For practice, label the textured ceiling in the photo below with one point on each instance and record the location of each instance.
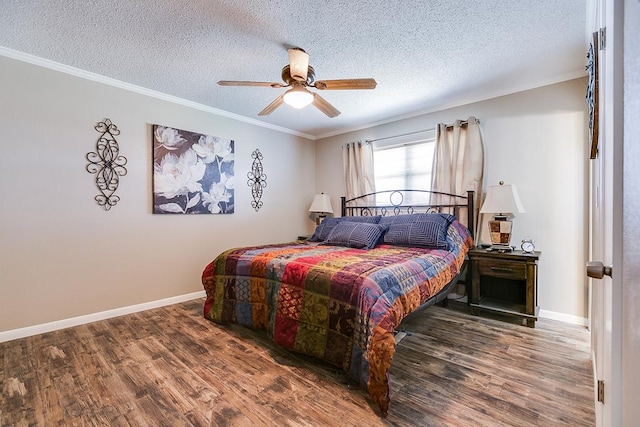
(425, 55)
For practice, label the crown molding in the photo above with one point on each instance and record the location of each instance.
(77, 72)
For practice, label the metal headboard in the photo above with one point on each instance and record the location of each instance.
(392, 202)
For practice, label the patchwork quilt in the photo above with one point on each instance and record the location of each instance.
(336, 303)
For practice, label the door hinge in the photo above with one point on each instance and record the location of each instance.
(603, 38)
(600, 391)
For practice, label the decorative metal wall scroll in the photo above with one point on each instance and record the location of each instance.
(107, 163)
(257, 180)
(592, 95)
(192, 172)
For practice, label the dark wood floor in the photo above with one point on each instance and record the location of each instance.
(171, 367)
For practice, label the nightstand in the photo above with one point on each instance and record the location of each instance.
(304, 237)
(505, 283)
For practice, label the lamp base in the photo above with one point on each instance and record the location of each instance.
(500, 231)
(500, 248)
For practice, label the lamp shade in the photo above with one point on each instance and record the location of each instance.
(321, 204)
(298, 97)
(502, 199)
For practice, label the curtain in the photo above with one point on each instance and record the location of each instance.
(357, 160)
(458, 163)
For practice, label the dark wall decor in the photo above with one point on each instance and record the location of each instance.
(257, 179)
(192, 172)
(592, 95)
(107, 163)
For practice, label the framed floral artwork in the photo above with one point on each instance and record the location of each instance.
(192, 172)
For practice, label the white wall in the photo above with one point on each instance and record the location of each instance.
(62, 256)
(537, 140)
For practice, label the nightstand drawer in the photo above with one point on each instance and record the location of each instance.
(503, 269)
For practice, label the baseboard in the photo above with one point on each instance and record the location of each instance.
(94, 317)
(562, 317)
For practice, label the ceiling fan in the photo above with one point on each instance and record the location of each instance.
(299, 75)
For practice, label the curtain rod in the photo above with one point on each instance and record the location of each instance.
(462, 123)
(401, 135)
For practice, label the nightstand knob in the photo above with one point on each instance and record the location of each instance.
(597, 270)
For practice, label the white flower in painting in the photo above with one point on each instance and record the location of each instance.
(218, 193)
(210, 147)
(228, 181)
(169, 138)
(177, 176)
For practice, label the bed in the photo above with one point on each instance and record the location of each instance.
(341, 295)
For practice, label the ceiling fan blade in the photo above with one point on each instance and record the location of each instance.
(298, 64)
(322, 105)
(271, 107)
(245, 83)
(345, 84)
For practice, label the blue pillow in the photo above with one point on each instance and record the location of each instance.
(399, 219)
(324, 228)
(427, 230)
(358, 235)
(369, 219)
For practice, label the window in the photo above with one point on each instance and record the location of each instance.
(404, 166)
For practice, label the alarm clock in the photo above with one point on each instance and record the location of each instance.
(527, 245)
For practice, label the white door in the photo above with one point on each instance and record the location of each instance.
(600, 284)
(597, 286)
(630, 297)
(606, 222)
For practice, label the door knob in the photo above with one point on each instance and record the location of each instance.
(597, 270)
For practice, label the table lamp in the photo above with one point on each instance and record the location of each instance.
(321, 205)
(502, 201)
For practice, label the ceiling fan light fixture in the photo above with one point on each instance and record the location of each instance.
(299, 75)
(298, 97)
